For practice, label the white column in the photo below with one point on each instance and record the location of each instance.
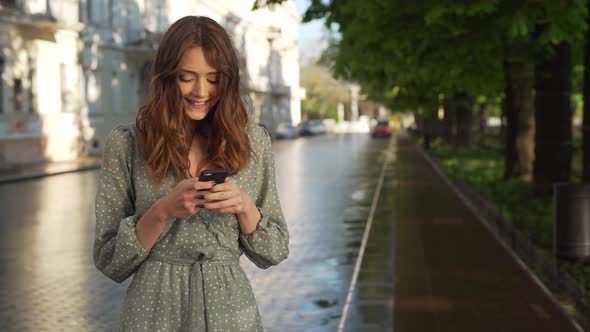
(354, 102)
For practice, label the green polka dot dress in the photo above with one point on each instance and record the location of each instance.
(191, 279)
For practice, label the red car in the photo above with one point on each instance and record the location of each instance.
(382, 129)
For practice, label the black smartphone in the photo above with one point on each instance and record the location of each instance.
(216, 174)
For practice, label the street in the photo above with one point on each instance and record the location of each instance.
(49, 283)
(427, 263)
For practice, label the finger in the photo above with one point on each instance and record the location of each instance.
(199, 202)
(223, 204)
(191, 208)
(228, 185)
(220, 196)
(219, 187)
(203, 185)
(193, 197)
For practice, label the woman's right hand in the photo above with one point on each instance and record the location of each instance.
(184, 199)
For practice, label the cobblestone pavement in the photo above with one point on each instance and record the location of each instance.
(48, 281)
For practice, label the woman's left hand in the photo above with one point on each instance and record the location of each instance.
(227, 197)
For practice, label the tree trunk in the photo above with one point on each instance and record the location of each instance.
(520, 120)
(427, 134)
(503, 118)
(464, 112)
(482, 120)
(586, 123)
(553, 118)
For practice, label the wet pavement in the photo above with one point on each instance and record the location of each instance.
(428, 265)
(48, 281)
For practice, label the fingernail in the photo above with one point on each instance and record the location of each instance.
(214, 183)
(200, 196)
(200, 206)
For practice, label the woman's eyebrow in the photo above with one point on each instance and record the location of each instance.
(195, 73)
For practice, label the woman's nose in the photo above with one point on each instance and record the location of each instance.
(200, 88)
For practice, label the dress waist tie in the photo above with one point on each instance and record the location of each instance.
(196, 318)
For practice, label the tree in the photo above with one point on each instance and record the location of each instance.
(400, 53)
(559, 25)
(456, 48)
(323, 92)
(405, 52)
(586, 123)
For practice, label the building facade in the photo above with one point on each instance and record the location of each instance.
(73, 69)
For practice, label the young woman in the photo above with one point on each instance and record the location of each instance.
(180, 237)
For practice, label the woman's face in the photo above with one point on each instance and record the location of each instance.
(197, 81)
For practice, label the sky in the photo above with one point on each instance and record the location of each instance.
(311, 44)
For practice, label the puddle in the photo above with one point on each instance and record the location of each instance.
(325, 303)
(319, 304)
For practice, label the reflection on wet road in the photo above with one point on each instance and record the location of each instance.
(48, 281)
(326, 184)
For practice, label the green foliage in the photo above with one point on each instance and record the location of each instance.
(265, 3)
(404, 54)
(323, 92)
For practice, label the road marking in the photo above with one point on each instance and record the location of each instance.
(361, 253)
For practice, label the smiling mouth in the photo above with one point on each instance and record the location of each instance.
(197, 104)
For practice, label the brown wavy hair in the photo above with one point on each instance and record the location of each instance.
(166, 132)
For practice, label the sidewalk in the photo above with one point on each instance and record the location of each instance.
(26, 172)
(430, 265)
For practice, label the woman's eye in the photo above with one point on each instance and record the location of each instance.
(184, 79)
(212, 81)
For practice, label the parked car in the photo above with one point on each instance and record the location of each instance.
(285, 131)
(381, 130)
(311, 128)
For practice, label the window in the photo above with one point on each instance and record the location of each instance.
(98, 11)
(89, 11)
(63, 86)
(8, 3)
(19, 96)
(31, 95)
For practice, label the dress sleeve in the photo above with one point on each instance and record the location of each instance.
(117, 252)
(268, 245)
